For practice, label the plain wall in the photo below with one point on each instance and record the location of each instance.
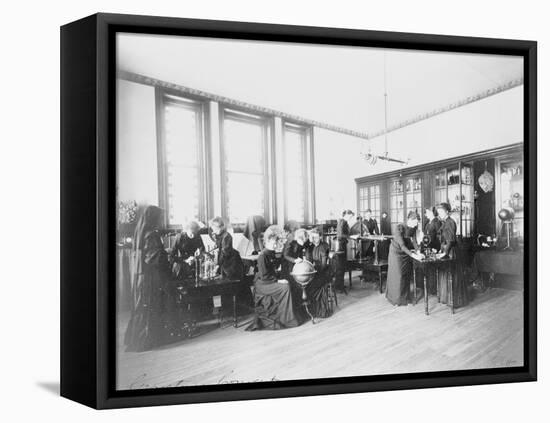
(137, 177)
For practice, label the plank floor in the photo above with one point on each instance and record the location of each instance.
(365, 336)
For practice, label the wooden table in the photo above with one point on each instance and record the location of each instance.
(379, 267)
(191, 292)
(424, 265)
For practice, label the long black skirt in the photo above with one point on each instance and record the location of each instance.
(317, 294)
(460, 289)
(400, 270)
(274, 306)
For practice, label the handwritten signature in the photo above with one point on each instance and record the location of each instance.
(139, 383)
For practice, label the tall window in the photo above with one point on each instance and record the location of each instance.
(181, 155)
(296, 172)
(245, 170)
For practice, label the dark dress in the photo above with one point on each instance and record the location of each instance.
(367, 247)
(273, 301)
(232, 267)
(431, 229)
(184, 247)
(291, 252)
(151, 322)
(384, 246)
(447, 236)
(317, 289)
(340, 256)
(229, 259)
(400, 266)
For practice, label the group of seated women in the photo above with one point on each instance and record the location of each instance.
(154, 314)
(278, 299)
(439, 235)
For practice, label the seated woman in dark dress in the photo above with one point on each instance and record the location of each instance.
(295, 251)
(447, 236)
(273, 297)
(187, 246)
(153, 301)
(229, 260)
(400, 265)
(318, 255)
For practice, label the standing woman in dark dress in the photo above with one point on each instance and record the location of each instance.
(273, 297)
(150, 321)
(431, 231)
(447, 236)
(340, 255)
(400, 266)
(229, 259)
(188, 244)
(318, 255)
(431, 228)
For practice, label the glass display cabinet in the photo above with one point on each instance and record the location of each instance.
(455, 185)
(510, 192)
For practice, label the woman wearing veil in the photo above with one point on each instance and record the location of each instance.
(152, 301)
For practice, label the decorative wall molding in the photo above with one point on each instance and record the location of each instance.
(463, 102)
(142, 79)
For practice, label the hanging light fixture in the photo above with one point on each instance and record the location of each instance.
(369, 156)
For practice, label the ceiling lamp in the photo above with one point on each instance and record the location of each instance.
(372, 158)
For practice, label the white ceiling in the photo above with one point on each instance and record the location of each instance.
(342, 86)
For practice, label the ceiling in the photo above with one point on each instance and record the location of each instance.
(343, 86)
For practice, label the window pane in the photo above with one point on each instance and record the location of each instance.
(295, 178)
(244, 168)
(243, 146)
(244, 196)
(182, 162)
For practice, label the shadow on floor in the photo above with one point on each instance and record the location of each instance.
(51, 387)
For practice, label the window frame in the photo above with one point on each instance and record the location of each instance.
(163, 97)
(235, 113)
(305, 133)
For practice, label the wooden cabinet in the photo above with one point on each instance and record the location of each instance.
(451, 180)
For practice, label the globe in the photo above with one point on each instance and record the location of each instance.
(506, 214)
(303, 272)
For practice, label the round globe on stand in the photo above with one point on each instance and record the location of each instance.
(507, 216)
(303, 273)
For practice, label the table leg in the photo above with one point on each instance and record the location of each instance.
(234, 310)
(414, 285)
(376, 252)
(451, 299)
(437, 284)
(380, 278)
(349, 277)
(426, 294)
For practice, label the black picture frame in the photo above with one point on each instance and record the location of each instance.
(88, 213)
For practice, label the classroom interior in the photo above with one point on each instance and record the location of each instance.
(293, 135)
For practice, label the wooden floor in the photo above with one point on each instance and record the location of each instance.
(366, 336)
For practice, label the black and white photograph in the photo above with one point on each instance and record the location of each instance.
(291, 211)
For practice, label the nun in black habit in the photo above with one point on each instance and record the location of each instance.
(153, 298)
